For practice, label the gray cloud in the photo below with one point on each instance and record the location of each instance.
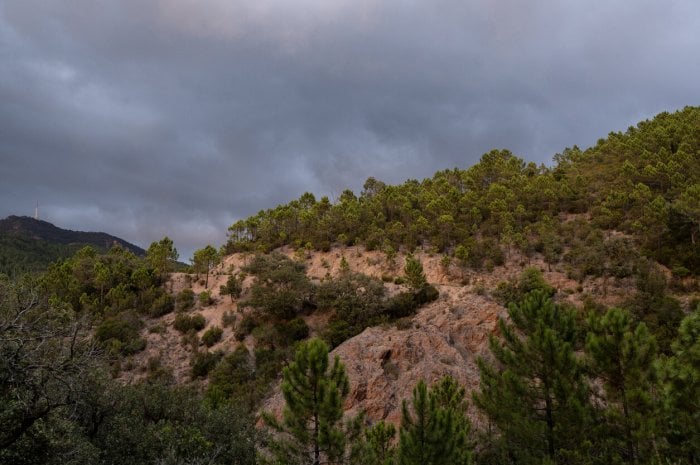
(151, 117)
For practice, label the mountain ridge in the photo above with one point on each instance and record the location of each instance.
(30, 245)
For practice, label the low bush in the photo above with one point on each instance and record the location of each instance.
(205, 298)
(184, 322)
(204, 362)
(185, 299)
(212, 335)
(162, 306)
(120, 334)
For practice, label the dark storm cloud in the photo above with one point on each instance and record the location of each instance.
(153, 117)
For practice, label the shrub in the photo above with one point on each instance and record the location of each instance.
(233, 287)
(245, 327)
(212, 335)
(185, 299)
(204, 362)
(228, 319)
(680, 271)
(162, 306)
(293, 330)
(426, 294)
(157, 329)
(415, 276)
(337, 332)
(120, 334)
(205, 298)
(232, 377)
(401, 305)
(184, 322)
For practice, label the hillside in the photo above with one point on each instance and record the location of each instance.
(384, 362)
(531, 305)
(644, 182)
(30, 245)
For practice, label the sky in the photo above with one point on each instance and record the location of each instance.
(147, 118)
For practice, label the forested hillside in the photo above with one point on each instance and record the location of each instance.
(644, 182)
(505, 313)
(30, 245)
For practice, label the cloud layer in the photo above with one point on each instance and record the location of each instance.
(151, 117)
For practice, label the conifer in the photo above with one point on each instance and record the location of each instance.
(620, 356)
(310, 432)
(534, 394)
(434, 431)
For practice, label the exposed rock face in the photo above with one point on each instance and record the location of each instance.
(384, 364)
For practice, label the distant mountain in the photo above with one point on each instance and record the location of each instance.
(29, 245)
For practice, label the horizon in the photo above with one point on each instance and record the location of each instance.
(145, 119)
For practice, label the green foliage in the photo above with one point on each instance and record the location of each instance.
(353, 297)
(291, 331)
(30, 246)
(415, 277)
(379, 439)
(620, 354)
(680, 376)
(184, 322)
(162, 256)
(652, 305)
(313, 392)
(19, 255)
(120, 334)
(531, 279)
(185, 299)
(44, 351)
(245, 327)
(643, 182)
(156, 422)
(434, 430)
(281, 289)
(162, 306)
(203, 362)
(205, 298)
(534, 394)
(212, 335)
(228, 319)
(233, 287)
(204, 260)
(242, 378)
(57, 407)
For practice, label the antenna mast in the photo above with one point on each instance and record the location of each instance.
(36, 211)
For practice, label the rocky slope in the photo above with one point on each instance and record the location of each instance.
(383, 363)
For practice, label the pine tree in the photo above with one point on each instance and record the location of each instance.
(620, 355)
(534, 394)
(162, 256)
(309, 432)
(414, 273)
(434, 431)
(680, 374)
(204, 260)
(374, 446)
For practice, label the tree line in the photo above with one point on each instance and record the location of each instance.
(644, 182)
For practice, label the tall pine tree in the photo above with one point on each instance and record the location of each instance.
(533, 392)
(681, 380)
(620, 357)
(310, 432)
(434, 431)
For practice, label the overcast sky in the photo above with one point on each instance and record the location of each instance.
(146, 118)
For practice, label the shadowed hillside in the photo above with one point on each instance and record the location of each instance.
(30, 245)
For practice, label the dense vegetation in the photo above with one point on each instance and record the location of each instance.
(644, 182)
(28, 245)
(562, 385)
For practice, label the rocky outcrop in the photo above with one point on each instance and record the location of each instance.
(385, 363)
